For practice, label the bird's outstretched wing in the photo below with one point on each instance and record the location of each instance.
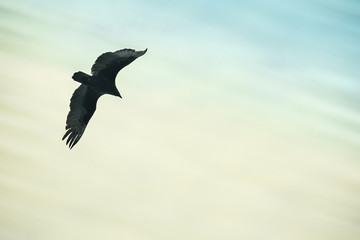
(108, 64)
(82, 107)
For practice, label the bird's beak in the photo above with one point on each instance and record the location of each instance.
(117, 93)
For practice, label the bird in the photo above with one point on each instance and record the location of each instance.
(100, 82)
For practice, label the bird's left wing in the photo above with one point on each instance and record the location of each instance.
(82, 107)
(108, 64)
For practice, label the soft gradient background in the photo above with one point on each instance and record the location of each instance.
(242, 121)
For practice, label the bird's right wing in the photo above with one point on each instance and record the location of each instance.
(110, 63)
(82, 107)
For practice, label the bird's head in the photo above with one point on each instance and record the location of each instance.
(114, 91)
(117, 93)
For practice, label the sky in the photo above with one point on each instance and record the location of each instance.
(241, 121)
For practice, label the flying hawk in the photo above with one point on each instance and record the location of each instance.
(102, 81)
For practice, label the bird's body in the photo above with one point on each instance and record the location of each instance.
(102, 81)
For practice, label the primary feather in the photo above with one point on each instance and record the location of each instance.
(84, 99)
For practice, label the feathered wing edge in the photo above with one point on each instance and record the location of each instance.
(82, 107)
(106, 59)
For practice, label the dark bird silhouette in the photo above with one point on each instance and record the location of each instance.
(102, 81)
